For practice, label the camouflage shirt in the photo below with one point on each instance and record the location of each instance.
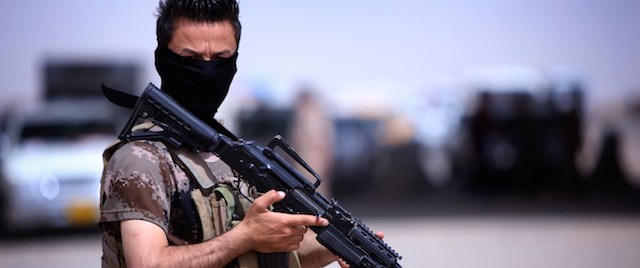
(142, 181)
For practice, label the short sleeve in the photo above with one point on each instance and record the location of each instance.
(136, 184)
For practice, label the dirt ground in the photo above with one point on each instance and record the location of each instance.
(454, 241)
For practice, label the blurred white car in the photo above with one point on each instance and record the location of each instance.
(52, 167)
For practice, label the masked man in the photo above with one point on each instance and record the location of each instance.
(155, 211)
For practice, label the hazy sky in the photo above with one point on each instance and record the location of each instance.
(343, 45)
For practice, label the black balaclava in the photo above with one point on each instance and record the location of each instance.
(200, 86)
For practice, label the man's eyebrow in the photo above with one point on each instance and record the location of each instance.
(188, 51)
(224, 52)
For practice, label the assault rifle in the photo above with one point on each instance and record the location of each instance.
(263, 168)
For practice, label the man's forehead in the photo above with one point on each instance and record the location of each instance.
(203, 39)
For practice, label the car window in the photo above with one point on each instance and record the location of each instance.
(64, 131)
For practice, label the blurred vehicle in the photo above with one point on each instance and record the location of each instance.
(523, 131)
(53, 164)
(520, 142)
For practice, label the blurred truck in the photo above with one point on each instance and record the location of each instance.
(52, 165)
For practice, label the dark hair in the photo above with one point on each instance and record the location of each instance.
(195, 10)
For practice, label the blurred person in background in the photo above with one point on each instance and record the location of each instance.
(154, 210)
(312, 134)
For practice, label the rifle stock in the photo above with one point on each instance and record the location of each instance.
(263, 168)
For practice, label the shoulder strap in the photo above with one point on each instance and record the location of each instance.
(196, 166)
(114, 146)
(110, 150)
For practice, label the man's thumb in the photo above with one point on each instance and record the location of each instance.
(267, 199)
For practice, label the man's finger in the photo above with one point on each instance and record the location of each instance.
(380, 235)
(299, 229)
(263, 202)
(309, 220)
(343, 264)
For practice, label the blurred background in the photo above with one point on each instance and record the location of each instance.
(486, 134)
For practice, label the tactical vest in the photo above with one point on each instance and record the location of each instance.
(217, 203)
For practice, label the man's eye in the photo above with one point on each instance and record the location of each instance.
(193, 57)
(189, 55)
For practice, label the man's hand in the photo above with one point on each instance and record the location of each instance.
(271, 231)
(314, 254)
